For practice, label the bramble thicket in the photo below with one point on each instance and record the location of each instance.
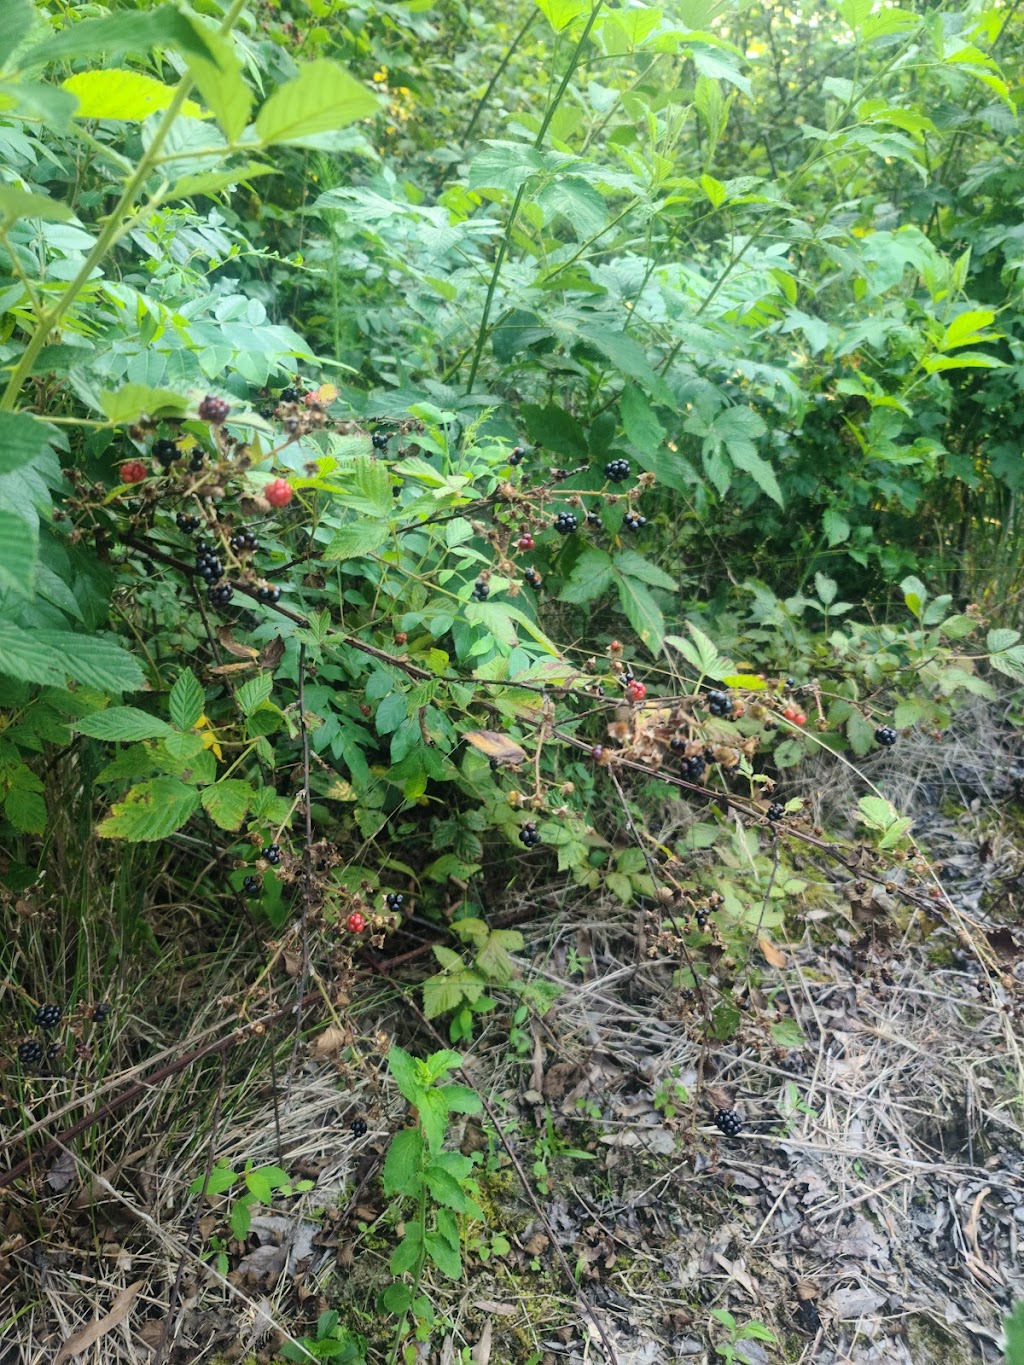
(460, 466)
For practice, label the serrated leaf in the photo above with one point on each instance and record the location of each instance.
(643, 612)
(227, 801)
(445, 1257)
(555, 429)
(634, 565)
(186, 702)
(590, 577)
(746, 458)
(441, 994)
(124, 723)
(151, 811)
(253, 693)
(787, 1033)
(639, 420)
(861, 734)
(700, 652)
(406, 1074)
(356, 539)
(94, 660)
(23, 438)
(26, 811)
(25, 657)
(835, 526)
(876, 812)
(164, 26)
(323, 97)
(222, 86)
(444, 1189)
(1000, 639)
(19, 548)
(1010, 662)
(122, 95)
(212, 182)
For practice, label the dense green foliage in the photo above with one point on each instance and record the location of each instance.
(390, 288)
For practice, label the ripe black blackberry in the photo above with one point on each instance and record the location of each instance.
(101, 1012)
(244, 542)
(676, 744)
(29, 1053)
(53, 1051)
(532, 578)
(517, 456)
(166, 451)
(692, 769)
(379, 440)
(617, 471)
(253, 886)
(394, 900)
(719, 703)
(290, 395)
(481, 591)
(702, 916)
(197, 461)
(727, 1121)
(633, 521)
(49, 1016)
(886, 736)
(529, 835)
(776, 811)
(266, 592)
(358, 1128)
(187, 523)
(220, 594)
(208, 566)
(566, 523)
(593, 519)
(272, 853)
(213, 410)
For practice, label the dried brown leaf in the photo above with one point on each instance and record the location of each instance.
(95, 1331)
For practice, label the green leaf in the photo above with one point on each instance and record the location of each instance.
(405, 1071)
(445, 1257)
(222, 86)
(136, 32)
(151, 811)
(407, 1253)
(95, 660)
(212, 182)
(835, 526)
(460, 1099)
(591, 576)
(561, 13)
(1015, 1336)
(876, 812)
(639, 420)
(634, 565)
(19, 548)
(15, 204)
(1010, 662)
(787, 1033)
(1000, 639)
(554, 429)
(26, 811)
(357, 539)
(254, 693)
(24, 657)
(643, 612)
(433, 1118)
(323, 97)
(125, 723)
(746, 458)
(240, 1217)
(116, 93)
(403, 1163)
(186, 701)
(227, 801)
(576, 200)
(701, 653)
(23, 438)
(133, 401)
(17, 18)
(444, 1189)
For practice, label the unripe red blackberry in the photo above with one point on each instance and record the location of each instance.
(214, 410)
(132, 471)
(278, 492)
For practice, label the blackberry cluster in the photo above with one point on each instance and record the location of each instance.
(187, 523)
(727, 1121)
(292, 394)
(208, 566)
(693, 769)
(566, 523)
(677, 744)
(517, 456)
(166, 451)
(213, 410)
(529, 835)
(267, 592)
(394, 900)
(358, 1128)
(253, 886)
(633, 521)
(244, 542)
(272, 853)
(886, 736)
(532, 578)
(719, 703)
(776, 811)
(616, 471)
(197, 461)
(30, 1053)
(101, 1012)
(48, 1016)
(379, 440)
(702, 916)
(481, 591)
(220, 594)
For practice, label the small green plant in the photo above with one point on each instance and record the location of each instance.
(262, 1183)
(671, 1096)
(549, 1146)
(332, 1342)
(439, 1185)
(730, 1349)
(1014, 1327)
